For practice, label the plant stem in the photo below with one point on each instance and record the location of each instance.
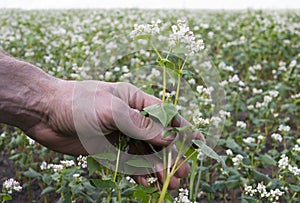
(177, 89)
(119, 195)
(180, 68)
(199, 179)
(164, 84)
(165, 188)
(117, 164)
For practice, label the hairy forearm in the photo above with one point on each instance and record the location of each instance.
(25, 92)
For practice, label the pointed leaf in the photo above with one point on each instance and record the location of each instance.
(163, 112)
(209, 152)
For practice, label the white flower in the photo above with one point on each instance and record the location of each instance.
(57, 167)
(296, 148)
(130, 180)
(267, 99)
(234, 79)
(151, 180)
(43, 166)
(284, 128)
(241, 124)
(191, 81)
(283, 162)
(215, 120)
(298, 140)
(293, 63)
(260, 137)
(249, 190)
(148, 29)
(76, 175)
(224, 114)
(31, 141)
(276, 137)
(296, 96)
(250, 107)
(181, 34)
(200, 121)
(223, 83)
(261, 188)
(237, 160)
(249, 140)
(294, 169)
(82, 161)
(2, 134)
(229, 152)
(273, 93)
(11, 185)
(182, 196)
(67, 163)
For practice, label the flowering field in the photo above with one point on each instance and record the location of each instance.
(254, 56)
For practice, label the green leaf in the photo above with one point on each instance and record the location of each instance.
(258, 176)
(31, 173)
(7, 198)
(47, 190)
(163, 112)
(166, 63)
(209, 152)
(207, 188)
(104, 184)
(106, 156)
(267, 159)
(232, 184)
(93, 165)
(142, 196)
(142, 37)
(296, 188)
(140, 163)
(249, 200)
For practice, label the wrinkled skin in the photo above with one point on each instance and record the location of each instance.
(41, 106)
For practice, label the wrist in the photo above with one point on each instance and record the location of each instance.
(25, 93)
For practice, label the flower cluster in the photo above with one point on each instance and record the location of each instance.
(182, 196)
(57, 167)
(237, 160)
(241, 124)
(148, 29)
(276, 137)
(283, 163)
(82, 162)
(260, 190)
(11, 185)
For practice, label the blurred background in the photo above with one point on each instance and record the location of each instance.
(152, 4)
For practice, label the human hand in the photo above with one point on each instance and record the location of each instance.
(44, 108)
(80, 107)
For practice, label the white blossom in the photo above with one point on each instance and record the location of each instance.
(81, 161)
(249, 140)
(294, 170)
(249, 190)
(241, 124)
(67, 163)
(151, 180)
(283, 162)
(11, 185)
(229, 152)
(284, 128)
(296, 148)
(237, 160)
(276, 137)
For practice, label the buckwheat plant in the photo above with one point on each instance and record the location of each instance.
(9, 186)
(180, 41)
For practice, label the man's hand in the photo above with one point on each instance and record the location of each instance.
(43, 107)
